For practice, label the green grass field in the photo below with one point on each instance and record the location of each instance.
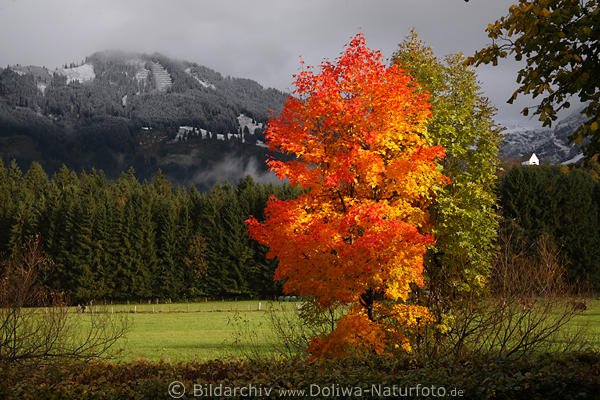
(197, 331)
(202, 331)
(188, 336)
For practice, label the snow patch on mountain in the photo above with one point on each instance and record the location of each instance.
(82, 73)
(18, 71)
(246, 122)
(41, 87)
(142, 75)
(574, 160)
(200, 81)
(186, 132)
(162, 79)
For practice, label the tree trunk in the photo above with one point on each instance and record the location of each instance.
(367, 300)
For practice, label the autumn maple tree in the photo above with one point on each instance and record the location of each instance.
(358, 233)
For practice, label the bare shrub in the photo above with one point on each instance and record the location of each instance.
(36, 323)
(295, 328)
(579, 305)
(527, 309)
(290, 327)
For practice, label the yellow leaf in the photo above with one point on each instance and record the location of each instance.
(546, 13)
(594, 126)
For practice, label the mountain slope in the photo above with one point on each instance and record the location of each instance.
(115, 109)
(550, 144)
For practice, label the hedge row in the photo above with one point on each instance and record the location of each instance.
(574, 376)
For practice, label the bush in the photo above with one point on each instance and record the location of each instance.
(573, 376)
(36, 325)
(526, 310)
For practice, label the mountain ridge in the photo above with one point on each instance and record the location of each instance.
(92, 114)
(550, 144)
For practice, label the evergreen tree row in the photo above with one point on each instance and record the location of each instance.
(126, 240)
(562, 203)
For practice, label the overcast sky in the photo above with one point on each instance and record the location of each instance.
(258, 39)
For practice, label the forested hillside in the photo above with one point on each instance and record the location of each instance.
(562, 203)
(131, 240)
(100, 112)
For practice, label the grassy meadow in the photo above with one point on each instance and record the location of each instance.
(190, 336)
(215, 330)
(209, 343)
(196, 331)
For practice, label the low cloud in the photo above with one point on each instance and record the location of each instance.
(233, 169)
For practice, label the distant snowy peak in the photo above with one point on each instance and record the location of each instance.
(551, 144)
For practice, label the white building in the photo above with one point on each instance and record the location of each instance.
(533, 160)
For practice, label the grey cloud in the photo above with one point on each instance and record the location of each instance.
(232, 170)
(258, 39)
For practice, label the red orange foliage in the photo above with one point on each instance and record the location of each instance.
(358, 233)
